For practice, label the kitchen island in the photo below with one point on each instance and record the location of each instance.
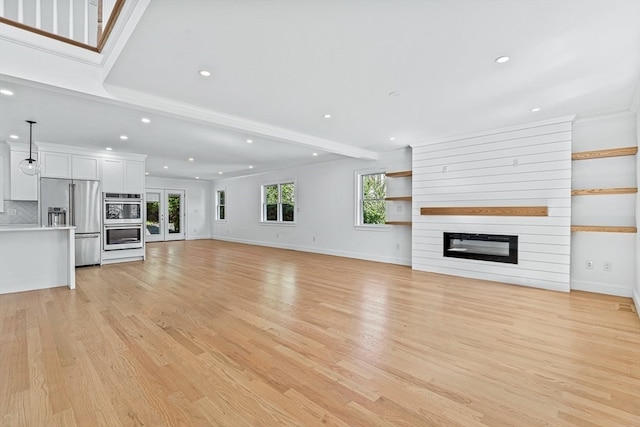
(34, 257)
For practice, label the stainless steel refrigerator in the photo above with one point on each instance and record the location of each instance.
(82, 202)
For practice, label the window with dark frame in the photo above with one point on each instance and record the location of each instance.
(278, 202)
(221, 211)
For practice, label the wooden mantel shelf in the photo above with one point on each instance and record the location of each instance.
(488, 211)
(602, 191)
(600, 154)
(604, 229)
(398, 198)
(398, 223)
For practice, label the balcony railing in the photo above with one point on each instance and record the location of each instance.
(84, 23)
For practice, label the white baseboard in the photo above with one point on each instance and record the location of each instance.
(199, 236)
(345, 254)
(601, 288)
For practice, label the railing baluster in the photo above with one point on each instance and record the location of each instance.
(55, 17)
(86, 22)
(1, 7)
(38, 15)
(71, 19)
(20, 11)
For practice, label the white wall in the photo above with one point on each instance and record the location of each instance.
(325, 204)
(636, 293)
(198, 203)
(619, 249)
(528, 165)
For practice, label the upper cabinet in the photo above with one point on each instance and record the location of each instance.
(69, 166)
(55, 165)
(118, 173)
(23, 187)
(122, 176)
(85, 167)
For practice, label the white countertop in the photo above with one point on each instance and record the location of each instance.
(30, 227)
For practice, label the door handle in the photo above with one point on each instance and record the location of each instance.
(85, 236)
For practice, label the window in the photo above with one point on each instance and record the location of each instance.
(220, 211)
(372, 190)
(278, 202)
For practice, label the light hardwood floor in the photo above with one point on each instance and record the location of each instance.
(208, 333)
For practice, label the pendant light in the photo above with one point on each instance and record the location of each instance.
(30, 166)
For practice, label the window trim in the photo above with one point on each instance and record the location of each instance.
(359, 211)
(217, 212)
(279, 183)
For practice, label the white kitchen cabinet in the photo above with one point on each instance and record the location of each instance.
(133, 177)
(55, 165)
(23, 187)
(122, 176)
(112, 175)
(69, 166)
(85, 167)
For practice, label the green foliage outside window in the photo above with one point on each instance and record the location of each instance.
(279, 202)
(374, 191)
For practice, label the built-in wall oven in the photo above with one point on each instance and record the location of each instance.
(122, 236)
(122, 221)
(122, 208)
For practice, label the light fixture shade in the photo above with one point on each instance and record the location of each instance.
(29, 167)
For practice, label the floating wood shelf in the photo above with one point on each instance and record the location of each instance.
(400, 174)
(600, 191)
(398, 222)
(399, 198)
(600, 154)
(488, 211)
(604, 229)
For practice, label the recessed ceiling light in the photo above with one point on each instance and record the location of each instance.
(502, 59)
(315, 154)
(392, 139)
(535, 109)
(6, 92)
(327, 116)
(249, 141)
(145, 120)
(124, 137)
(191, 159)
(205, 73)
(108, 148)
(197, 177)
(166, 167)
(220, 173)
(146, 173)
(14, 137)
(250, 166)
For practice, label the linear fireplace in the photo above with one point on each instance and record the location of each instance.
(485, 247)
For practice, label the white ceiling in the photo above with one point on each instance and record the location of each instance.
(279, 66)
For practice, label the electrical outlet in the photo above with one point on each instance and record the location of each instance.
(606, 266)
(589, 265)
(11, 212)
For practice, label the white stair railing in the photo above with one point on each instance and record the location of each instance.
(78, 20)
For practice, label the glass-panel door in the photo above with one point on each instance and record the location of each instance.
(154, 231)
(164, 215)
(175, 215)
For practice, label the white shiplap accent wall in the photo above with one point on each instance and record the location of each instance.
(528, 165)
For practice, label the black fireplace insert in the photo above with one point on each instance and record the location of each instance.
(484, 247)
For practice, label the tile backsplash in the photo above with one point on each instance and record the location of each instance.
(25, 212)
